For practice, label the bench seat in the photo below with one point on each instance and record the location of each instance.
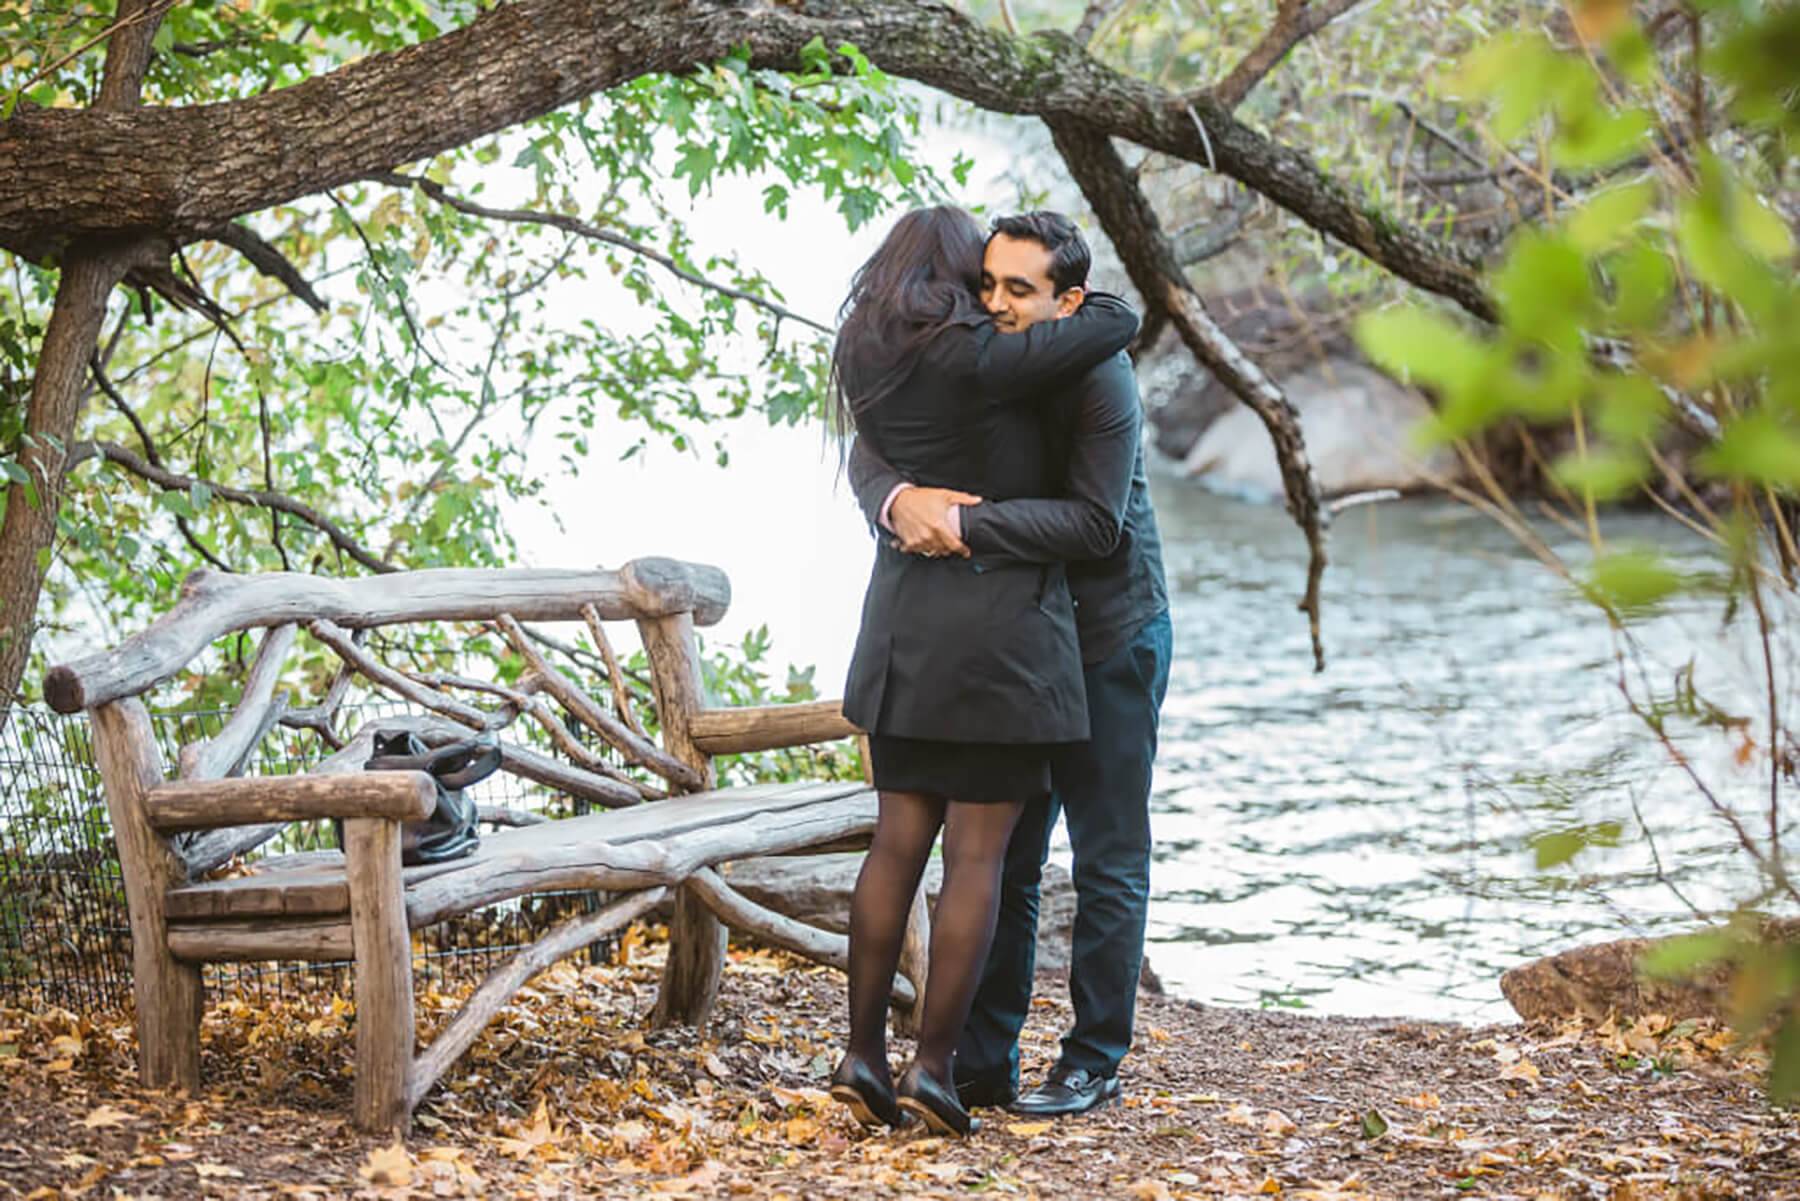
(611, 850)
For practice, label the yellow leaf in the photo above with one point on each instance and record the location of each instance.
(388, 1165)
(1240, 1115)
(1270, 1186)
(1278, 1123)
(1149, 1190)
(106, 1115)
(1028, 1129)
(1422, 1101)
(1522, 1070)
(66, 1046)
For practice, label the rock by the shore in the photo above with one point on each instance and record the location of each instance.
(1607, 980)
(1359, 427)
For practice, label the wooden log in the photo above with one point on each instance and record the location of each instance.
(568, 937)
(636, 749)
(690, 981)
(167, 991)
(257, 711)
(377, 672)
(214, 604)
(915, 961)
(765, 727)
(205, 804)
(810, 942)
(262, 939)
(620, 850)
(384, 1000)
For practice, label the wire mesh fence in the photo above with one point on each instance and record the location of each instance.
(65, 938)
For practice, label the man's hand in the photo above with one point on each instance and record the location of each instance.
(921, 519)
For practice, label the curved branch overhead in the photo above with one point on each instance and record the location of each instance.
(68, 175)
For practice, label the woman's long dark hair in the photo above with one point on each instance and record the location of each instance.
(924, 278)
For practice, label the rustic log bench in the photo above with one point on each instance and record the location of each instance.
(648, 843)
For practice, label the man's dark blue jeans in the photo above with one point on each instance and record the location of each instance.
(1102, 786)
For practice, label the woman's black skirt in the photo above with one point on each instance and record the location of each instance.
(980, 773)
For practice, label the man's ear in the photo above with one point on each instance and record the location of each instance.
(1069, 301)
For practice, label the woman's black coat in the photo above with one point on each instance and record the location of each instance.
(972, 650)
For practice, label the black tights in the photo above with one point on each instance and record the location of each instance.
(962, 926)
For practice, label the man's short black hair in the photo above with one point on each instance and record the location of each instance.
(1070, 258)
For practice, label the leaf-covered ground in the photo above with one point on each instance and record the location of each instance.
(570, 1094)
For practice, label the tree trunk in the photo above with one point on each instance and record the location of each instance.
(88, 275)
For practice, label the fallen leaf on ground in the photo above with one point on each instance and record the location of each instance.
(389, 1165)
(1028, 1129)
(106, 1115)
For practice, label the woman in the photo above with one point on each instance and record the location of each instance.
(966, 671)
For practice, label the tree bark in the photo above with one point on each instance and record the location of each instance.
(67, 175)
(1137, 234)
(89, 271)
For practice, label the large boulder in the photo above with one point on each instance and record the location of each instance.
(1359, 427)
(816, 890)
(1606, 979)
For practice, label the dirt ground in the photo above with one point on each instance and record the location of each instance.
(569, 1094)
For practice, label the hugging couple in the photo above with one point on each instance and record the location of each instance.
(1013, 653)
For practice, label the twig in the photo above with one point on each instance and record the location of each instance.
(1295, 21)
(575, 225)
(379, 673)
(621, 692)
(169, 481)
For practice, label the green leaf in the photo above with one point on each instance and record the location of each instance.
(1544, 288)
(1784, 1060)
(1630, 583)
(1642, 279)
(1630, 408)
(1597, 137)
(1417, 343)
(1373, 1124)
(1680, 957)
(1606, 473)
(1609, 217)
(1557, 847)
(1756, 447)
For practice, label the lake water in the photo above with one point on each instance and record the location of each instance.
(1357, 841)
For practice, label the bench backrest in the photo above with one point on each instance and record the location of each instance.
(666, 599)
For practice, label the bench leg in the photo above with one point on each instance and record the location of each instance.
(690, 982)
(384, 998)
(915, 958)
(167, 991)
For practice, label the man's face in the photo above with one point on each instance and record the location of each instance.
(1016, 287)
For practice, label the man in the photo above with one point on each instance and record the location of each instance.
(1035, 269)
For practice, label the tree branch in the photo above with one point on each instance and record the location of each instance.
(1136, 232)
(1295, 21)
(267, 260)
(66, 175)
(268, 499)
(584, 229)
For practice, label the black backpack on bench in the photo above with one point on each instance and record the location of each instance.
(450, 832)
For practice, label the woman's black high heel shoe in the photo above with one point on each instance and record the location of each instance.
(871, 1100)
(935, 1105)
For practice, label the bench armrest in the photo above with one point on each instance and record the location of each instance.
(250, 800)
(765, 727)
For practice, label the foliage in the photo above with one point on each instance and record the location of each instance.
(1657, 316)
(461, 358)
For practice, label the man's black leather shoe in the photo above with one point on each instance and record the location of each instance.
(1067, 1091)
(986, 1092)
